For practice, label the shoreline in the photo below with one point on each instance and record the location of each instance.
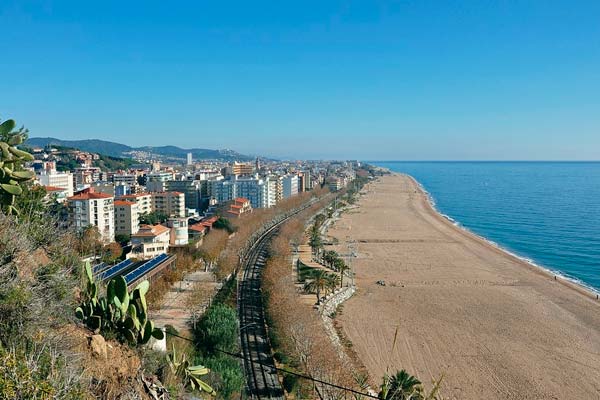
(495, 325)
(572, 283)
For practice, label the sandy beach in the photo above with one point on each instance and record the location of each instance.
(493, 325)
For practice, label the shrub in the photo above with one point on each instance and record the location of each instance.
(226, 375)
(218, 329)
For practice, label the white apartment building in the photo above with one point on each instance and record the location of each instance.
(150, 241)
(252, 188)
(143, 201)
(63, 180)
(157, 181)
(172, 204)
(126, 218)
(289, 185)
(125, 179)
(272, 184)
(90, 208)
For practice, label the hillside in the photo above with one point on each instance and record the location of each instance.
(122, 150)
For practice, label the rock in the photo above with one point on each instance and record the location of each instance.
(98, 346)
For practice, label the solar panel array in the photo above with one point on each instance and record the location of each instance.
(96, 269)
(114, 270)
(145, 268)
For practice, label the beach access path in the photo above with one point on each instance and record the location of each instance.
(493, 325)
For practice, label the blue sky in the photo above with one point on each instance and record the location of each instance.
(311, 79)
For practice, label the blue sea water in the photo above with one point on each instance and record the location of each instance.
(546, 212)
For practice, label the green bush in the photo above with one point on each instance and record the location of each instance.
(226, 375)
(290, 383)
(14, 312)
(218, 329)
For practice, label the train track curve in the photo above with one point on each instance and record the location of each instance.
(262, 379)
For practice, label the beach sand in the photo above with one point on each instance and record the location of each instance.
(493, 325)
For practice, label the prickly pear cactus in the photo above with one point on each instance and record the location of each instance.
(12, 175)
(120, 312)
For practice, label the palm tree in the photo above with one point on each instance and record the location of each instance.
(332, 282)
(402, 386)
(317, 283)
(329, 257)
(342, 268)
(315, 241)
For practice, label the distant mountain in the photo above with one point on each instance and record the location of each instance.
(122, 150)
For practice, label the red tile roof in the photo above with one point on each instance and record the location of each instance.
(197, 227)
(54, 189)
(151, 230)
(89, 194)
(124, 203)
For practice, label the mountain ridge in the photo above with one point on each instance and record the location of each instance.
(122, 150)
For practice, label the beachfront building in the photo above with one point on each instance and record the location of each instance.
(304, 182)
(289, 185)
(272, 185)
(88, 208)
(126, 218)
(150, 241)
(171, 204)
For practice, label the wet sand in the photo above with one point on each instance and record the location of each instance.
(493, 325)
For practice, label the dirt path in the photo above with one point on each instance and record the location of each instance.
(497, 327)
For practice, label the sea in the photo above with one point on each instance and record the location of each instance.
(547, 213)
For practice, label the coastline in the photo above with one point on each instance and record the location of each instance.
(495, 325)
(573, 283)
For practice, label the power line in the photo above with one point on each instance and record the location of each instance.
(310, 378)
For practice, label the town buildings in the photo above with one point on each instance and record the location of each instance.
(88, 208)
(52, 178)
(126, 218)
(171, 204)
(150, 241)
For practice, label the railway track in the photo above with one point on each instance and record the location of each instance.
(262, 380)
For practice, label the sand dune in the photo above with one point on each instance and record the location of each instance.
(496, 327)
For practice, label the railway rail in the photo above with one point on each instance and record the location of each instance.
(261, 375)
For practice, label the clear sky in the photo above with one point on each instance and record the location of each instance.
(479, 79)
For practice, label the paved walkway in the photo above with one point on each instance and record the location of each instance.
(179, 303)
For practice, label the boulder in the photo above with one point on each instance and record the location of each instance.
(98, 346)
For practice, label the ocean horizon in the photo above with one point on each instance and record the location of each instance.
(545, 212)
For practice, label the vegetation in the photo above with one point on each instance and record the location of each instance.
(120, 313)
(403, 386)
(38, 276)
(321, 281)
(224, 223)
(153, 218)
(12, 175)
(68, 160)
(296, 332)
(218, 331)
(189, 374)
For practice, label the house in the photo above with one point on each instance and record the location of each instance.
(58, 193)
(150, 241)
(238, 207)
